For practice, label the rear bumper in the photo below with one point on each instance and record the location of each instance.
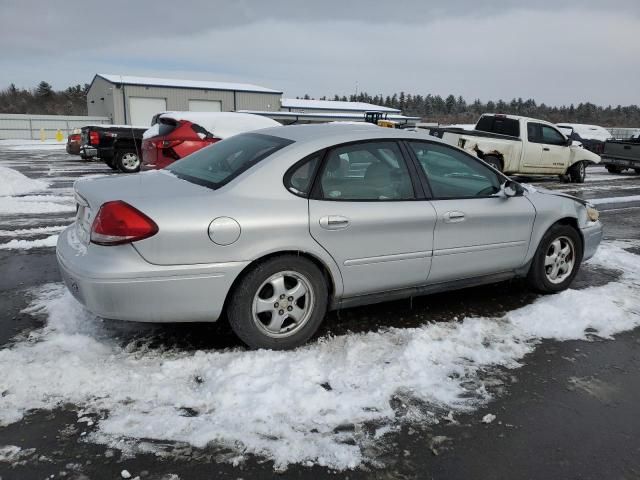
(117, 283)
(592, 236)
(621, 162)
(87, 151)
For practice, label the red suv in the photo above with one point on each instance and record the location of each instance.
(178, 134)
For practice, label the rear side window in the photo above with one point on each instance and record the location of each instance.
(499, 125)
(299, 179)
(166, 126)
(218, 164)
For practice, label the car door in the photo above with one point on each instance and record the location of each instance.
(367, 211)
(555, 152)
(532, 149)
(479, 231)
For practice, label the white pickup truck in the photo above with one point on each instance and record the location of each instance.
(521, 145)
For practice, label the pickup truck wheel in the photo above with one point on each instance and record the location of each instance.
(128, 161)
(613, 169)
(637, 170)
(110, 162)
(494, 161)
(279, 304)
(578, 172)
(557, 260)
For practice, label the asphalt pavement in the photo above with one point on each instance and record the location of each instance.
(570, 412)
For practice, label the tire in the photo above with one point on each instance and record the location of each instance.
(550, 271)
(578, 172)
(613, 169)
(564, 178)
(494, 161)
(111, 164)
(637, 170)
(128, 161)
(250, 314)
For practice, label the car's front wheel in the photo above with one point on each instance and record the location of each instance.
(279, 304)
(128, 161)
(578, 172)
(557, 259)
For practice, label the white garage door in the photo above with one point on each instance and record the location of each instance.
(205, 105)
(143, 109)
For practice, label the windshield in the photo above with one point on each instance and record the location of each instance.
(218, 164)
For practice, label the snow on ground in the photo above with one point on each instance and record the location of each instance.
(16, 244)
(13, 182)
(29, 232)
(326, 403)
(32, 145)
(33, 204)
(627, 199)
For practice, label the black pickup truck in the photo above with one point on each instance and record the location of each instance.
(119, 146)
(619, 155)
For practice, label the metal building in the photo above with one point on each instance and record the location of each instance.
(134, 100)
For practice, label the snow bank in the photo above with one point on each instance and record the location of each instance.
(627, 199)
(15, 244)
(27, 232)
(13, 182)
(326, 403)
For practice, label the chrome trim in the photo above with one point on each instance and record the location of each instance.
(477, 248)
(386, 258)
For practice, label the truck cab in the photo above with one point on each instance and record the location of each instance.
(522, 145)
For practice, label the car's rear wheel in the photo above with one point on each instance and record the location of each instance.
(578, 172)
(279, 304)
(637, 170)
(128, 161)
(613, 169)
(494, 161)
(557, 259)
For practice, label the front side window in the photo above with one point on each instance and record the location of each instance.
(218, 164)
(454, 174)
(370, 171)
(551, 136)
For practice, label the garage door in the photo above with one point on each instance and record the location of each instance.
(143, 109)
(205, 105)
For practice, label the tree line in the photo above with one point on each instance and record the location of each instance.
(44, 100)
(430, 108)
(453, 110)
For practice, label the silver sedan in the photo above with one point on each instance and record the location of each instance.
(277, 226)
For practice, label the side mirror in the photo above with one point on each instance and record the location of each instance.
(512, 189)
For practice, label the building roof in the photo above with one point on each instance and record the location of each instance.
(326, 116)
(177, 83)
(303, 104)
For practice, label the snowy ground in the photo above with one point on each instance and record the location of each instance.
(341, 402)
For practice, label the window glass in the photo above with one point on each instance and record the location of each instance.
(300, 178)
(551, 136)
(534, 132)
(373, 171)
(499, 124)
(453, 174)
(216, 165)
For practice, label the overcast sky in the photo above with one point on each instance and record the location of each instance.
(557, 52)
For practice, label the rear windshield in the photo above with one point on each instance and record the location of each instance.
(218, 164)
(500, 125)
(166, 126)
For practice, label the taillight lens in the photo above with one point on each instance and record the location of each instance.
(94, 138)
(160, 144)
(118, 222)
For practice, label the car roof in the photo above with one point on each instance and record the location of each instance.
(338, 132)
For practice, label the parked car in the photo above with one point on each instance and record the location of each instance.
(73, 142)
(592, 137)
(619, 155)
(118, 146)
(175, 135)
(521, 145)
(276, 227)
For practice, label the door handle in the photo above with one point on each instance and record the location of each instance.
(546, 149)
(334, 222)
(453, 217)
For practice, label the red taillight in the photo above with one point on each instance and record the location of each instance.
(166, 143)
(118, 222)
(94, 138)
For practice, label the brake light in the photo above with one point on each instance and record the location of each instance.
(160, 144)
(118, 222)
(94, 138)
